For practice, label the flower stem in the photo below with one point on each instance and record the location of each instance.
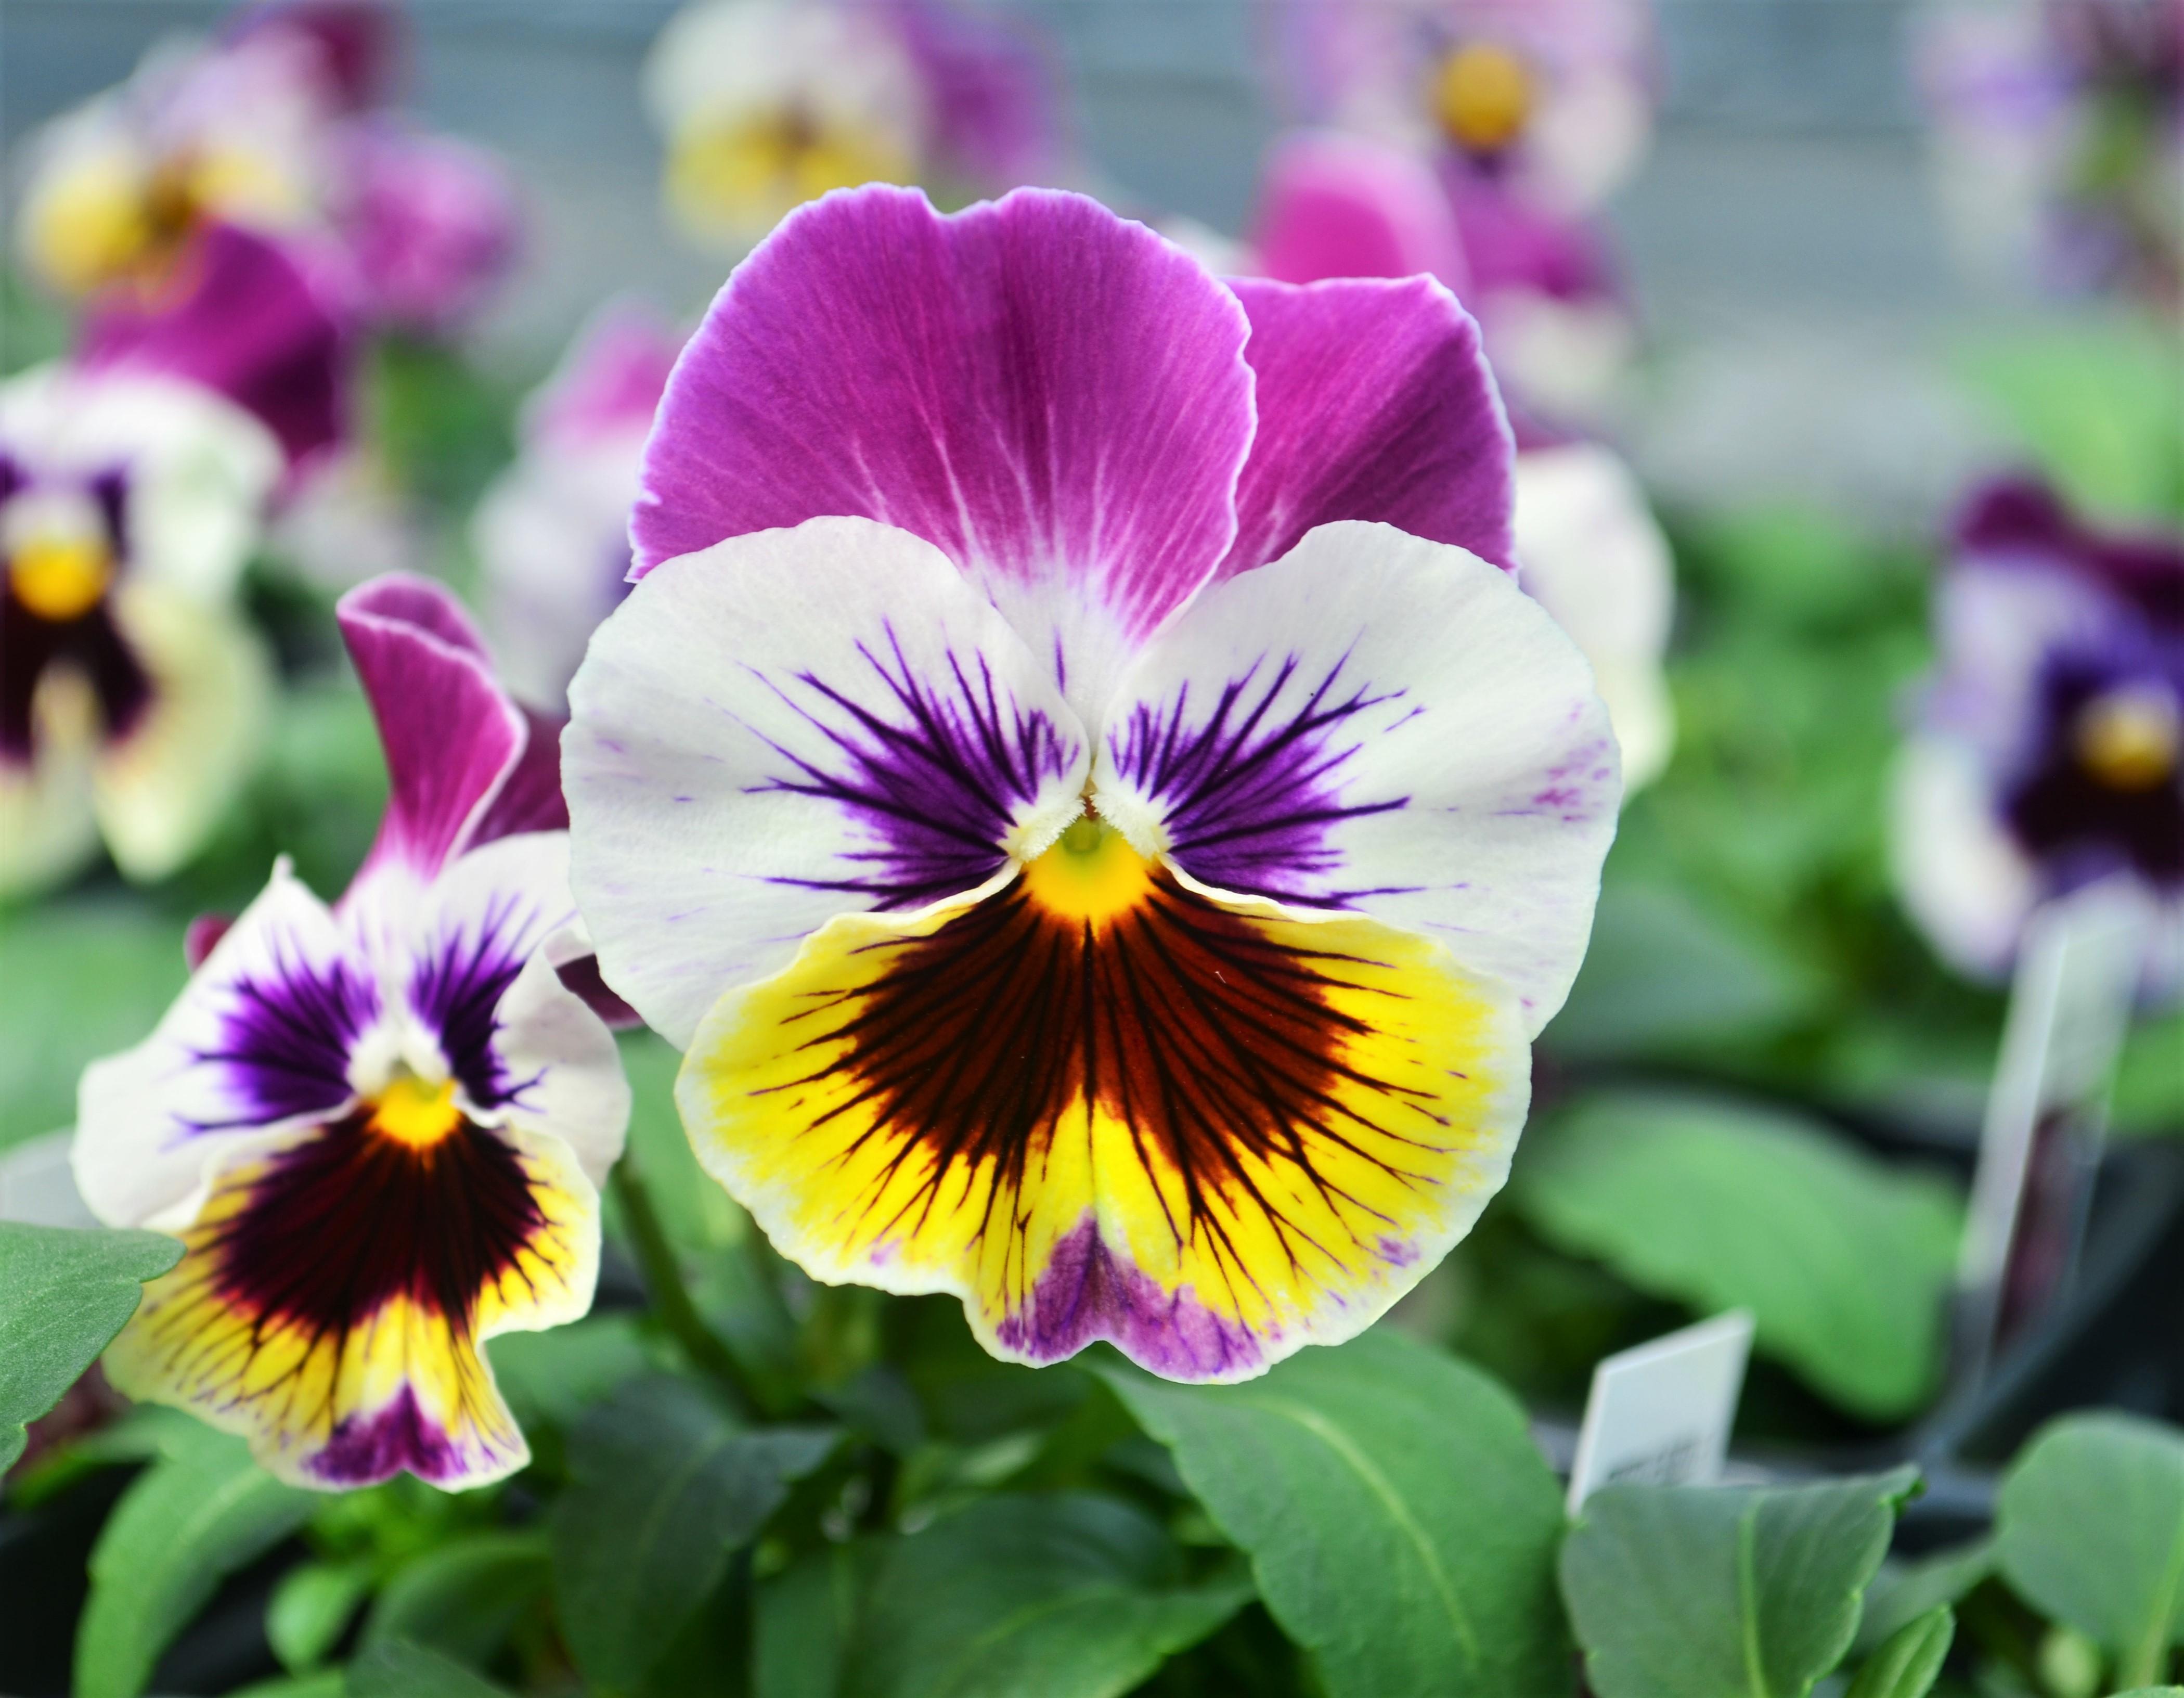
(670, 1298)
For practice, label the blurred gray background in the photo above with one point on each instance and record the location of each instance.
(1782, 238)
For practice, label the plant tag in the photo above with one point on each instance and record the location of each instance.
(1659, 1413)
(2070, 1005)
(38, 1188)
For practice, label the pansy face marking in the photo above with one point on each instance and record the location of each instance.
(1115, 876)
(378, 1127)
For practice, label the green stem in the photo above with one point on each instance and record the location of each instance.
(670, 1298)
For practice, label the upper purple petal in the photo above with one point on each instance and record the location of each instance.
(2022, 520)
(451, 734)
(1050, 395)
(246, 317)
(1336, 206)
(431, 223)
(1375, 402)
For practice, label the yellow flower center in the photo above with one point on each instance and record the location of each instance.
(1090, 875)
(413, 1113)
(2129, 739)
(60, 577)
(1483, 95)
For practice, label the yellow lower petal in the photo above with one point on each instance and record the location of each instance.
(307, 1316)
(1211, 1131)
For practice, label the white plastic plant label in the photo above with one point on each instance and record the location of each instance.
(1659, 1413)
(2070, 1005)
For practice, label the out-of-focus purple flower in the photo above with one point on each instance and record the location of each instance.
(1558, 327)
(272, 128)
(431, 223)
(764, 105)
(132, 694)
(552, 534)
(246, 317)
(2058, 133)
(2049, 750)
(1551, 97)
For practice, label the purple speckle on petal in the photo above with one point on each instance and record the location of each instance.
(1088, 1294)
(364, 1449)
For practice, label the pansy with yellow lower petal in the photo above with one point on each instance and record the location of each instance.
(1076, 775)
(132, 693)
(764, 105)
(378, 1127)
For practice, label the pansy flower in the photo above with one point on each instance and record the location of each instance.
(272, 128)
(1549, 98)
(378, 1127)
(1077, 776)
(132, 694)
(766, 104)
(2059, 138)
(552, 534)
(1558, 323)
(2049, 753)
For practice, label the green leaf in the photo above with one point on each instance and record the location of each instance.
(398, 1669)
(1844, 1261)
(801, 1625)
(63, 1294)
(2089, 1525)
(665, 1486)
(1662, 973)
(1904, 1591)
(310, 1609)
(327, 1683)
(1719, 1592)
(1399, 1522)
(554, 1375)
(1909, 1663)
(195, 1516)
(1070, 1596)
(463, 1598)
(84, 979)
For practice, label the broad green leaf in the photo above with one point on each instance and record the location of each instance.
(554, 1375)
(82, 979)
(1401, 1524)
(1909, 1662)
(310, 1610)
(193, 1516)
(462, 1599)
(2089, 1526)
(1844, 1261)
(2149, 1083)
(398, 1669)
(327, 1683)
(665, 1486)
(63, 1294)
(1662, 973)
(801, 1625)
(1721, 1592)
(2153, 1692)
(1904, 1591)
(1069, 1596)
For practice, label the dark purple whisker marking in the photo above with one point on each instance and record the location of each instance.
(285, 1039)
(1251, 797)
(935, 779)
(457, 988)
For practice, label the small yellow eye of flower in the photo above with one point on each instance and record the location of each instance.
(413, 1113)
(1090, 874)
(2130, 738)
(748, 172)
(1483, 95)
(60, 577)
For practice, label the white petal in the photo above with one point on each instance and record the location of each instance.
(578, 1091)
(161, 789)
(788, 726)
(1384, 724)
(257, 1042)
(1961, 876)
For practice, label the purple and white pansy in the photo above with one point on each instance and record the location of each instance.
(380, 1126)
(1077, 776)
(552, 534)
(132, 693)
(2049, 749)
